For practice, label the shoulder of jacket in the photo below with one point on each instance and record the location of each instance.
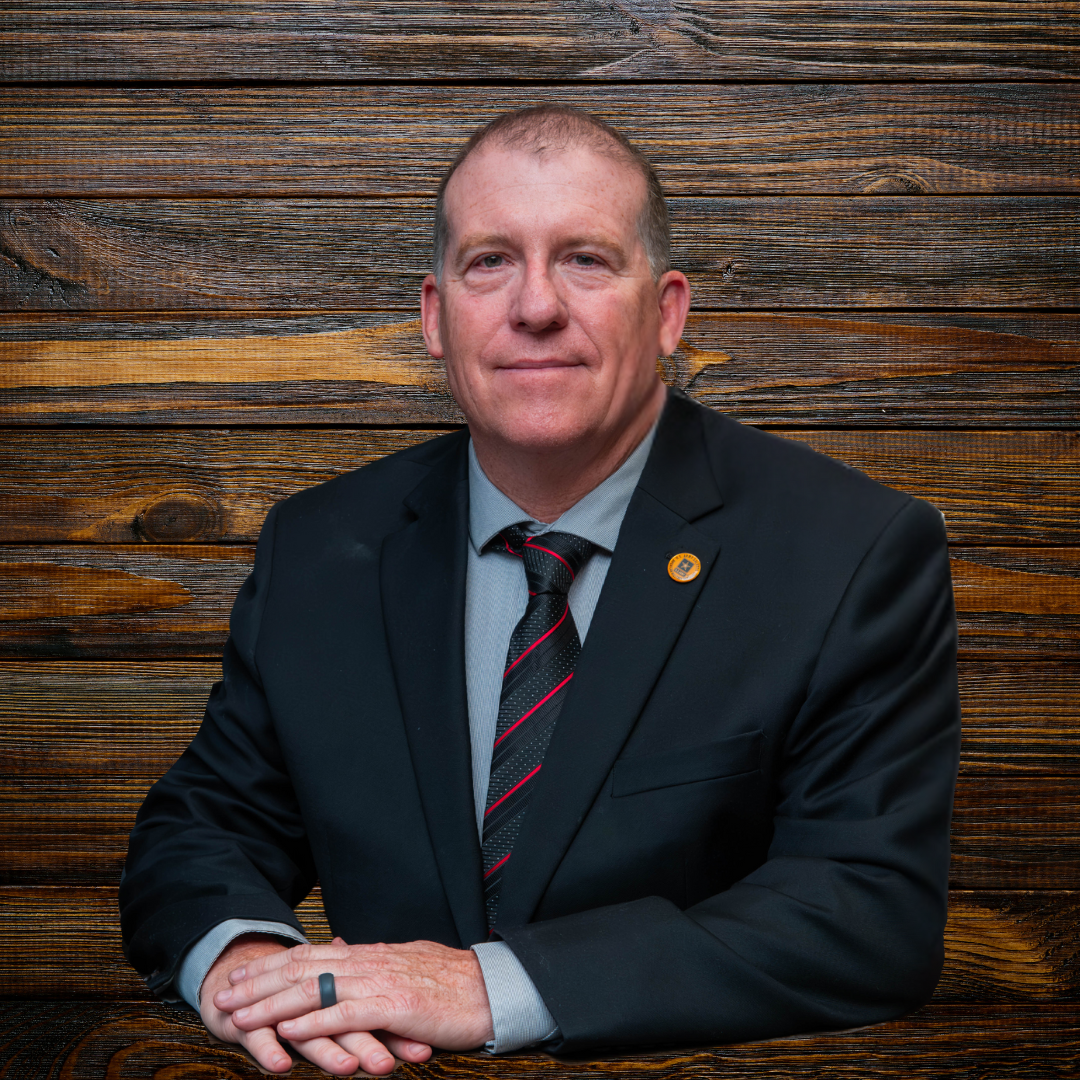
(744, 455)
(372, 491)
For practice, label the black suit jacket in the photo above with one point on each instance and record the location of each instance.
(742, 825)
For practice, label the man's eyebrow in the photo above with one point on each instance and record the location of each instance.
(483, 240)
(480, 241)
(587, 240)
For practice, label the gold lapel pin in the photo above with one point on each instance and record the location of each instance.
(683, 567)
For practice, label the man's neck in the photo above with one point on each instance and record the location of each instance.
(546, 484)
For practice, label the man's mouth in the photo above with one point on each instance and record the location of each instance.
(540, 365)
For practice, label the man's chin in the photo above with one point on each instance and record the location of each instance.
(541, 431)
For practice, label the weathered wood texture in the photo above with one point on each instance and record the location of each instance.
(73, 731)
(213, 485)
(87, 1040)
(81, 744)
(1021, 718)
(754, 252)
(703, 139)
(108, 601)
(1009, 832)
(158, 600)
(999, 946)
(978, 370)
(176, 258)
(553, 39)
(205, 485)
(134, 718)
(162, 600)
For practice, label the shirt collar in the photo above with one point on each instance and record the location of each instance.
(597, 517)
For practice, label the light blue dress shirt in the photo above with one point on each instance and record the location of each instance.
(496, 595)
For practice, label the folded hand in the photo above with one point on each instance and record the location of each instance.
(415, 995)
(341, 1055)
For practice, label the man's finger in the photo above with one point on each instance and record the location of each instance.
(299, 953)
(406, 1049)
(261, 1042)
(269, 983)
(366, 1014)
(373, 1056)
(263, 1046)
(287, 1004)
(328, 1056)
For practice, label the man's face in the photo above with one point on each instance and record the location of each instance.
(547, 315)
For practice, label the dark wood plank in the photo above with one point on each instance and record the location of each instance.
(165, 601)
(1009, 832)
(211, 485)
(720, 139)
(997, 591)
(999, 947)
(944, 369)
(974, 490)
(86, 1040)
(755, 252)
(118, 601)
(65, 941)
(1010, 946)
(144, 1040)
(554, 39)
(328, 368)
(134, 718)
(203, 485)
(1016, 832)
(1020, 718)
(957, 369)
(128, 718)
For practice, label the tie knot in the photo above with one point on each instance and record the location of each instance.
(552, 560)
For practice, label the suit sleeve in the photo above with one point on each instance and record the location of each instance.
(220, 835)
(842, 925)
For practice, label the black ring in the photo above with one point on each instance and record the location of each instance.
(327, 993)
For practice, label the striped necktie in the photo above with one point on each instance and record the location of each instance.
(544, 648)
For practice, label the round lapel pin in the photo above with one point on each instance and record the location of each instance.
(683, 567)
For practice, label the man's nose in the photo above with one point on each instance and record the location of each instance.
(539, 303)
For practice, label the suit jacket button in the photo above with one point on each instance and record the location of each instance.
(684, 566)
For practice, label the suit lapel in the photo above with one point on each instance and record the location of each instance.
(423, 571)
(638, 618)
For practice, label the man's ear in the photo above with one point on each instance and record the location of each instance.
(673, 294)
(430, 304)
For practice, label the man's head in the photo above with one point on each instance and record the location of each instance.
(554, 298)
(543, 129)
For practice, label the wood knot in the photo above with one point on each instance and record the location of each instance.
(897, 183)
(178, 518)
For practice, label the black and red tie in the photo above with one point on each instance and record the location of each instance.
(544, 648)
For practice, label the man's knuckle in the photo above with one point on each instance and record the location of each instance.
(294, 972)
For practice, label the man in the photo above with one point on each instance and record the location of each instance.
(619, 722)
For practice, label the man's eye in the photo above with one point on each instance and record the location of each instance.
(491, 261)
(584, 260)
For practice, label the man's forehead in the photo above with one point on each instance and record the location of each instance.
(580, 169)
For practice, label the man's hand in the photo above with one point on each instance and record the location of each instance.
(341, 1055)
(415, 993)
(262, 1044)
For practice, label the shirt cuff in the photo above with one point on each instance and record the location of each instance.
(519, 1016)
(200, 958)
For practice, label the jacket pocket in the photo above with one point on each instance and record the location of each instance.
(688, 765)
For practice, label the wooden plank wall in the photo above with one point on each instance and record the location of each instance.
(213, 224)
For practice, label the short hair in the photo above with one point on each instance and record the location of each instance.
(541, 128)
